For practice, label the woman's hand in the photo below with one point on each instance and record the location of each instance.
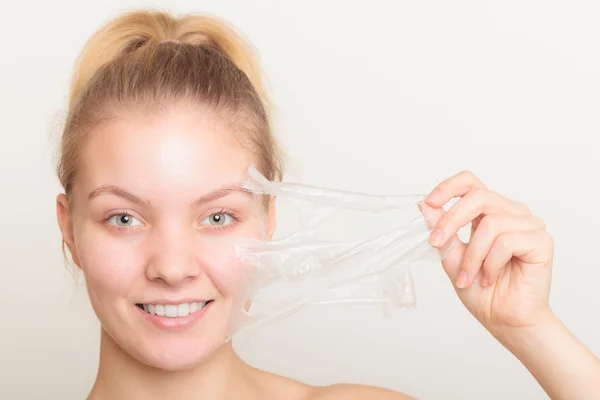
(503, 278)
(502, 275)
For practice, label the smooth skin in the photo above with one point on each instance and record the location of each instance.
(502, 275)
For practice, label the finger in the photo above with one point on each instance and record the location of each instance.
(455, 186)
(531, 247)
(452, 258)
(482, 240)
(475, 203)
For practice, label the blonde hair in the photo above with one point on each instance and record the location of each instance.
(149, 60)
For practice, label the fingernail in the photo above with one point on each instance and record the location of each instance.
(420, 205)
(461, 281)
(484, 282)
(436, 238)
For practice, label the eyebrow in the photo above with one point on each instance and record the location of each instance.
(122, 193)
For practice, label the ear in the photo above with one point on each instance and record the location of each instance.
(271, 224)
(65, 222)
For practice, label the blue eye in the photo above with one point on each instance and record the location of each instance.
(124, 220)
(218, 219)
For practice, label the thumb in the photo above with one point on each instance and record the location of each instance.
(454, 250)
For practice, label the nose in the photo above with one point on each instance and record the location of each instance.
(173, 258)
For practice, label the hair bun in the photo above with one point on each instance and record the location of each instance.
(135, 29)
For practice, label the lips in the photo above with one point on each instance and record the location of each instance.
(174, 310)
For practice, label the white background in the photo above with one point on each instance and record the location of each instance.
(372, 96)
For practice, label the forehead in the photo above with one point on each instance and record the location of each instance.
(171, 153)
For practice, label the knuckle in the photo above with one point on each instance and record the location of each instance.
(548, 239)
(490, 223)
(479, 197)
(471, 178)
(502, 242)
(479, 193)
(539, 223)
(523, 208)
(467, 174)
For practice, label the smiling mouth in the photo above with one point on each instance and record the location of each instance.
(174, 310)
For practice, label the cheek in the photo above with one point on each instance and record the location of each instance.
(109, 265)
(218, 255)
(223, 267)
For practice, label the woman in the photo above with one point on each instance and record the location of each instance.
(165, 117)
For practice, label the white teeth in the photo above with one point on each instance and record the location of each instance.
(170, 311)
(174, 311)
(183, 309)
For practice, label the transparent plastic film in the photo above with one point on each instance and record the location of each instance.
(331, 247)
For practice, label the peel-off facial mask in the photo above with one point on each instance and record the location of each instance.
(333, 247)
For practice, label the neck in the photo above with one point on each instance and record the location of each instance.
(120, 376)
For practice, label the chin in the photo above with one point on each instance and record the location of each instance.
(178, 362)
(176, 354)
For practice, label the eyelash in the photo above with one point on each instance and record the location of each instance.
(224, 211)
(119, 214)
(230, 213)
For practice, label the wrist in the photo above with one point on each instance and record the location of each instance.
(519, 339)
(563, 366)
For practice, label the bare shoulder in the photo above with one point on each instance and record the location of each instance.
(271, 386)
(355, 392)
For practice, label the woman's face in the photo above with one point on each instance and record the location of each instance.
(156, 214)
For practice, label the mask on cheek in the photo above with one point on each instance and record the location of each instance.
(333, 247)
